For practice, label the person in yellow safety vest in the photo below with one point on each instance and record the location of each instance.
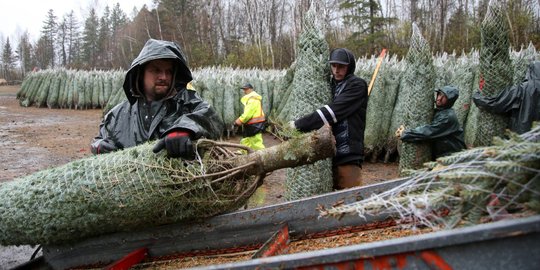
(252, 119)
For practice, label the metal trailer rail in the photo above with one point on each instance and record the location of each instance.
(509, 244)
(506, 244)
(228, 233)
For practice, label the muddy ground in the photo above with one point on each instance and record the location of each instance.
(33, 139)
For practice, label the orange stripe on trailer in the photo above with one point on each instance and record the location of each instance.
(129, 260)
(396, 261)
(433, 259)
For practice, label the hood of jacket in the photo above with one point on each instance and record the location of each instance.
(451, 93)
(352, 63)
(351, 67)
(533, 72)
(152, 50)
(252, 95)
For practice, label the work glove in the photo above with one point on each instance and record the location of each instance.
(178, 145)
(102, 147)
(399, 131)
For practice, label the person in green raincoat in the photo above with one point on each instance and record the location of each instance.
(252, 119)
(444, 133)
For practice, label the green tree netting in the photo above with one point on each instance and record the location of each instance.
(310, 91)
(417, 95)
(494, 70)
(135, 188)
(474, 186)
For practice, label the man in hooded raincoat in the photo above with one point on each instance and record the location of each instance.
(158, 106)
(521, 102)
(347, 116)
(444, 133)
(252, 119)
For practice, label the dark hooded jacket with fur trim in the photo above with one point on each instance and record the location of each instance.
(346, 114)
(135, 121)
(444, 133)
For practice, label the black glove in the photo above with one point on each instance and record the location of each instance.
(178, 145)
(102, 147)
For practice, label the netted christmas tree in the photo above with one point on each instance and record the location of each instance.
(469, 187)
(463, 77)
(418, 85)
(444, 65)
(135, 188)
(380, 106)
(495, 72)
(521, 61)
(281, 94)
(310, 91)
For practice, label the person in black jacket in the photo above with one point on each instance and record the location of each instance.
(521, 102)
(347, 116)
(159, 105)
(444, 133)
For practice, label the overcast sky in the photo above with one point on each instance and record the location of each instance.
(17, 16)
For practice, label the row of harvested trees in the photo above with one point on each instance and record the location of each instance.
(78, 89)
(402, 92)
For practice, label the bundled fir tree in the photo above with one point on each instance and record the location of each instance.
(136, 188)
(495, 74)
(463, 77)
(417, 94)
(310, 91)
(521, 60)
(380, 106)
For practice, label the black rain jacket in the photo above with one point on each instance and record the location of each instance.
(444, 133)
(521, 102)
(183, 109)
(347, 116)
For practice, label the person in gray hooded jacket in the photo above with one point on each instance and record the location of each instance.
(159, 105)
(444, 133)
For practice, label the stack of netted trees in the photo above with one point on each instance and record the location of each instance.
(470, 187)
(79, 89)
(71, 89)
(221, 88)
(496, 63)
